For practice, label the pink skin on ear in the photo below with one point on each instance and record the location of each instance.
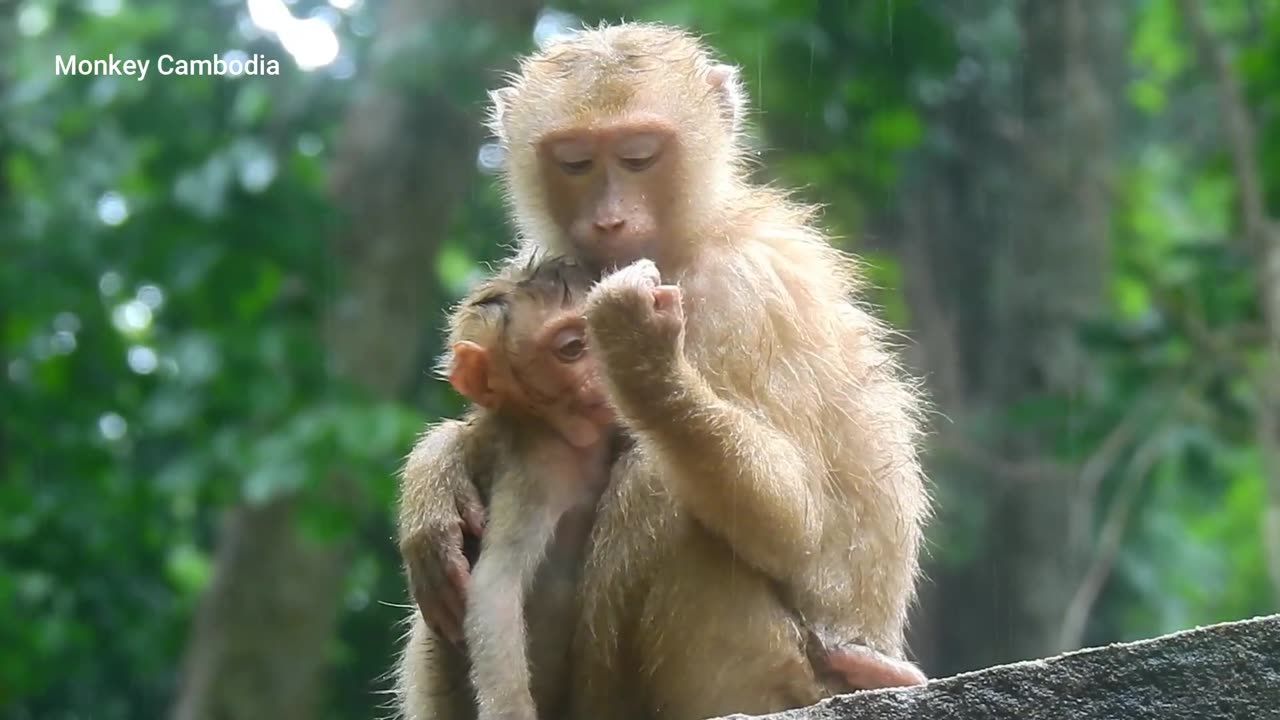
(725, 78)
(469, 374)
(720, 74)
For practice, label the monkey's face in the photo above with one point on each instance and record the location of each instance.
(610, 190)
(621, 144)
(557, 374)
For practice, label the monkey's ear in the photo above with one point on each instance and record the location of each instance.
(500, 102)
(469, 374)
(726, 80)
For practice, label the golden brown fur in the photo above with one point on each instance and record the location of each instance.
(776, 479)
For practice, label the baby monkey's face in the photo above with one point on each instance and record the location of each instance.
(556, 366)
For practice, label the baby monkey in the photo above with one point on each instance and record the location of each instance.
(538, 445)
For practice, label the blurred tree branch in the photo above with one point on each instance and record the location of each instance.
(1110, 538)
(1262, 235)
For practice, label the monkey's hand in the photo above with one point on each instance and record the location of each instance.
(637, 324)
(438, 567)
(439, 573)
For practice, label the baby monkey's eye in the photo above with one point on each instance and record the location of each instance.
(570, 345)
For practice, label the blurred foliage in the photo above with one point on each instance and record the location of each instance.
(165, 269)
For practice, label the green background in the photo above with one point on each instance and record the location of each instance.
(220, 299)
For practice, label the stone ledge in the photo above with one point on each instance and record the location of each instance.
(1230, 670)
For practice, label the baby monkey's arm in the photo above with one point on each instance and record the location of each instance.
(439, 508)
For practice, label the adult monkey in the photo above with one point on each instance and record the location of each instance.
(774, 496)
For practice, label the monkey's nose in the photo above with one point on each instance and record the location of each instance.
(609, 224)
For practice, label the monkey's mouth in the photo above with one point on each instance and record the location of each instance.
(617, 251)
(600, 411)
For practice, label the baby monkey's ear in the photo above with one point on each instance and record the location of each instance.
(471, 372)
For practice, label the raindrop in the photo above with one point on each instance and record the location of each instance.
(310, 145)
(362, 26)
(151, 296)
(257, 171)
(105, 8)
(247, 28)
(553, 25)
(491, 158)
(270, 15)
(327, 15)
(131, 317)
(235, 60)
(110, 283)
(63, 342)
(197, 358)
(311, 42)
(143, 360)
(66, 321)
(112, 209)
(19, 371)
(33, 19)
(112, 426)
(342, 68)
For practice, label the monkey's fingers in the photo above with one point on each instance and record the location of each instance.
(426, 581)
(471, 510)
(865, 669)
(444, 623)
(453, 604)
(667, 304)
(458, 572)
(628, 291)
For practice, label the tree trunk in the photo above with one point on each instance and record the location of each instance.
(260, 637)
(1004, 231)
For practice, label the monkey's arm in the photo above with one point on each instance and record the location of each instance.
(520, 527)
(735, 471)
(438, 504)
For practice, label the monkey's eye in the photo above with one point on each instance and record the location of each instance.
(576, 167)
(569, 345)
(638, 164)
(638, 152)
(573, 156)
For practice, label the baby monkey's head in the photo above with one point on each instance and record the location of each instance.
(518, 346)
